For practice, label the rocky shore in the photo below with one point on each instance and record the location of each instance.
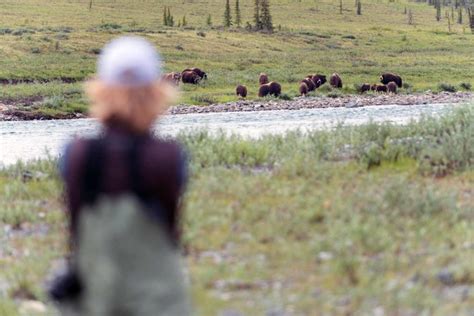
(326, 102)
(10, 113)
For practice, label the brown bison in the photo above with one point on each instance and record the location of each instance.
(303, 89)
(263, 78)
(379, 88)
(364, 88)
(201, 74)
(241, 91)
(387, 77)
(190, 77)
(392, 87)
(310, 84)
(335, 80)
(172, 77)
(322, 78)
(272, 88)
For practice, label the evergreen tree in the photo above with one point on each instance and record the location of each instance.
(165, 17)
(209, 20)
(256, 17)
(438, 10)
(410, 18)
(238, 16)
(359, 7)
(266, 21)
(340, 6)
(460, 15)
(227, 15)
(184, 22)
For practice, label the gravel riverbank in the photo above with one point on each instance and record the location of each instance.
(326, 102)
(11, 113)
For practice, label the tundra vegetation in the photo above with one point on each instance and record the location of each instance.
(375, 219)
(49, 48)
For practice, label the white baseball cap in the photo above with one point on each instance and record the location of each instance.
(129, 61)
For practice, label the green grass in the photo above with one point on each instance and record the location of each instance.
(329, 222)
(62, 38)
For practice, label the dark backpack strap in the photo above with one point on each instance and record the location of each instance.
(134, 167)
(91, 183)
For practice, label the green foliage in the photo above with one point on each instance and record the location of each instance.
(465, 85)
(446, 87)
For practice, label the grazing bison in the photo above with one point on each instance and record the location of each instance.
(190, 77)
(392, 87)
(387, 77)
(241, 91)
(263, 78)
(379, 88)
(319, 77)
(335, 80)
(310, 84)
(201, 74)
(172, 77)
(364, 88)
(303, 89)
(272, 88)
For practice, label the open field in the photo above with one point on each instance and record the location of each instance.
(376, 219)
(48, 40)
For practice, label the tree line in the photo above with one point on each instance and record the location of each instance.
(455, 10)
(262, 18)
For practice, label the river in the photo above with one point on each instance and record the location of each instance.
(26, 140)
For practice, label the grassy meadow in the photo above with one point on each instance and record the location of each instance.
(369, 220)
(47, 40)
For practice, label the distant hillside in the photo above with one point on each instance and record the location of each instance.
(61, 39)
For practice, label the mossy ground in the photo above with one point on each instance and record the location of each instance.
(61, 39)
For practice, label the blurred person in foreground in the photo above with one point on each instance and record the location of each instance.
(123, 192)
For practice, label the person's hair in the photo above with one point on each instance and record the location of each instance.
(134, 107)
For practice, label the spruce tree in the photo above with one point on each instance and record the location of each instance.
(165, 17)
(438, 10)
(209, 20)
(359, 7)
(267, 23)
(238, 16)
(184, 23)
(256, 17)
(227, 15)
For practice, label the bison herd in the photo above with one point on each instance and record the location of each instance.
(389, 83)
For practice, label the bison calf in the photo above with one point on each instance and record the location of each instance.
(379, 88)
(303, 89)
(335, 81)
(241, 91)
(364, 88)
(392, 87)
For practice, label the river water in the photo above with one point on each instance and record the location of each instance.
(26, 140)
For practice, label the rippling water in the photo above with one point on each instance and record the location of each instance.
(35, 139)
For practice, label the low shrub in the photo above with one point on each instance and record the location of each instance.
(465, 85)
(446, 87)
